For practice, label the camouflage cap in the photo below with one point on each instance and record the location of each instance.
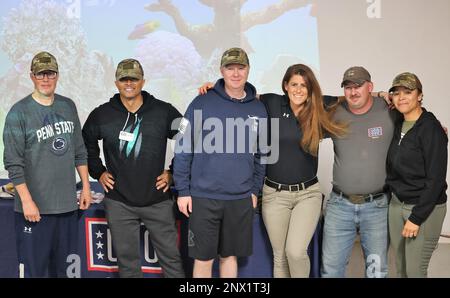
(234, 56)
(407, 80)
(129, 68)
(43, 61)
(357, 75)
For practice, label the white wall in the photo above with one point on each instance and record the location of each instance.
(410, 35)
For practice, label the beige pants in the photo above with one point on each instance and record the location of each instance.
(291, 219)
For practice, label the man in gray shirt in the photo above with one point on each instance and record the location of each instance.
(43, 147)
(358, 201)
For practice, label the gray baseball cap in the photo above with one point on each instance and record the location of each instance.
(357, 75)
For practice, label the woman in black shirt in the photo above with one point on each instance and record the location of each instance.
(292, 200)
(416, 175)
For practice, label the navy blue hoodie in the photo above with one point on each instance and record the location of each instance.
(215, 167)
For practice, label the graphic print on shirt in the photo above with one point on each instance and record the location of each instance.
(57, 129)
(133, 128)
(375, 132)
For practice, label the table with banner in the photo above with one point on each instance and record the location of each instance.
(95, 256)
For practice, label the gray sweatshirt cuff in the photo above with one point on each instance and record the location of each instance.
(18, 181)
(81, 162)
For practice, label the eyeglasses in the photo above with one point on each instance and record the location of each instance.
(51, 75)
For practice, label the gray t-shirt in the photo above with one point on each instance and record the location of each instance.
(43, 145)
(360, 157)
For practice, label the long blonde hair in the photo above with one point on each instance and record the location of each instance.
(313, 118)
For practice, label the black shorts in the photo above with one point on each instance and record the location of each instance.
(220, 227)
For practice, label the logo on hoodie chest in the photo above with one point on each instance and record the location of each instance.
(131, 138)
(254, 124)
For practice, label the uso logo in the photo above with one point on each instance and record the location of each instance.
(99, 250)
(375, 132)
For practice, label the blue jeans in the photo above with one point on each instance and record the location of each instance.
(343, 220)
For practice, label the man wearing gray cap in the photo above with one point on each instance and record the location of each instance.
(43, 144)
(134, 127)
(218, 180)
(359, 200)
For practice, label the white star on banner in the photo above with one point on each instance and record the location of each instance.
(99, 234)
(100, 255)
(99, 245)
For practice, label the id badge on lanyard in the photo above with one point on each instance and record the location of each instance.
(126, 136)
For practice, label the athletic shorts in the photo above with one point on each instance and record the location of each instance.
(220, 227)
(43, 247)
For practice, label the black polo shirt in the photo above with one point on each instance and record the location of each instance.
(294, 164)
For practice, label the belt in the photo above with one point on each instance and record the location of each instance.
(359, 199)
(291, 187)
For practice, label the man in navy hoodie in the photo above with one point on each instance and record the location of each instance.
(134, 127)
(218, 171)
